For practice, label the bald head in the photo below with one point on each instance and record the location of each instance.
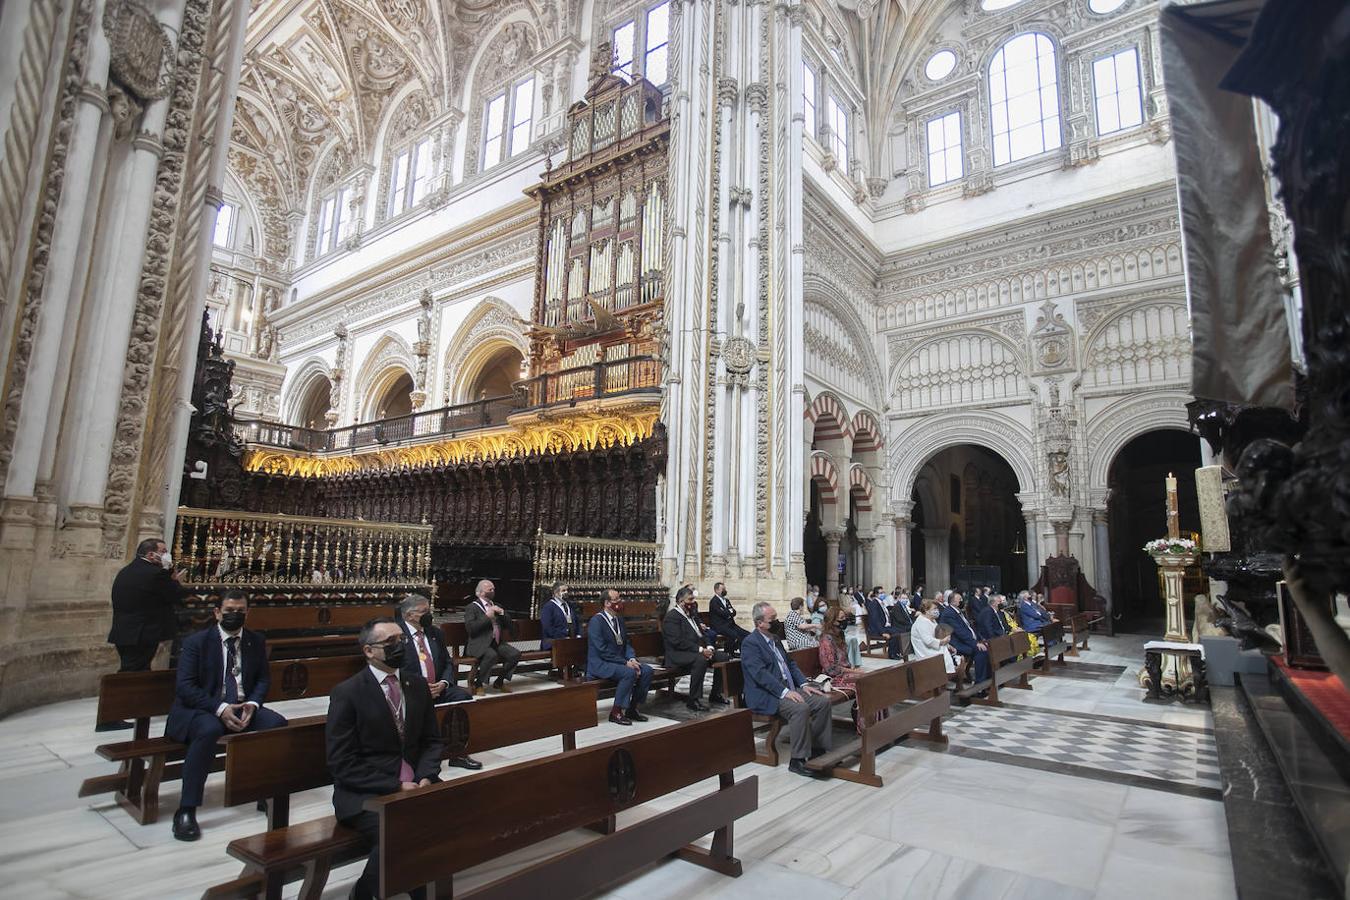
(485, 590)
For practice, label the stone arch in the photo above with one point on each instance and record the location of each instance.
(866, 432)
(999, 434)
(388, 360)
(830, 419)
(820, 292)
(861, 483)
(977, 365)
(301, 383)
(825, 476)
(490, 326)
(1117, 425)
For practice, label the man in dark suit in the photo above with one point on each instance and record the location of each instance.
(559, 618)
(689, 646)
(382, 738)
(222, 683)
(881, 625)
(610, 656)
(964, 639)
(487, 625)
(1031, 615)
(144, 594)
(774, 686)
(425, 654)
(722, 618)
(989, 620)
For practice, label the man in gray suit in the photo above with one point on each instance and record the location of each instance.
(487, 624)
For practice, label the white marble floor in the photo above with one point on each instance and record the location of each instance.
(946, 825)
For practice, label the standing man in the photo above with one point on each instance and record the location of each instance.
(426, 655)
(559, 618)
(688, 646)
(485, 621)
(382, 738)
(222, 683)
(774, 686)
(143, 597)
(722, 615)
(610, 656)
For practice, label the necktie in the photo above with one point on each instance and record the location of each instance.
(496, 630)
(782, 666)
(231, 664)
(395, 698)
(428, 667)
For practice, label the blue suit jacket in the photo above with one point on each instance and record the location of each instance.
(963, 636)
(201, 672)
(989, 624)
(1031, 616)
(764, 682)
(601, 647)
(876, 618)
(553, 624)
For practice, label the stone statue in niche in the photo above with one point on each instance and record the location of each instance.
(1059, 474)
(424, 320)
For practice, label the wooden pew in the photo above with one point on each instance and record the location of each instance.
(569, 658)
(638, 615)
(923, 681)
(273, 765)
(1080, 626)
(876, 648)
(533, 801)
(1053, 647)
(146, 762)
(1009, 663)
(457, 637)
(327, 627)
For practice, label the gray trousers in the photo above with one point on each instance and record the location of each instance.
(815, 712)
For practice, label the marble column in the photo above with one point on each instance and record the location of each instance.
(1101, 553)
(1034, 556)
(866, 549)
(832, 536)
(903, 570)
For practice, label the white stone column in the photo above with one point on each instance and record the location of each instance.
(832, 536)
(1034, 556)
(1101, 552)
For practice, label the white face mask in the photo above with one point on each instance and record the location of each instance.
(166, 560)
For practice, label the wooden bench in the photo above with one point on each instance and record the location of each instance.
(569, 658)
(457, 638)
(273, 765)
(877, 647)
(146, 762)
(923, 681)
(1080, 627)
(524, 804)
(1052, 649)
(1010, 663)
(638, 615)
(325, 627)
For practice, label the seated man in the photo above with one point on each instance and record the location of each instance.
(989, 620)
(1031, 615)
(381, 738)
(722, 616)
(689, 646)
(774, 686)
(610, 656)
(880, 624)
(964, 639)
(425, 654)
(559, 618)
(223, 679)
(485, 623)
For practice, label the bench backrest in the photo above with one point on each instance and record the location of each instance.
(648, 644)
(532, 801)
(1051, 631)
(456, 636)
(294, 679)
(264, 764)
(808, 660)
(927, 676)
(1021, 643)
(292, 618)
(632, 609)
(1001, 649)
(569, 652)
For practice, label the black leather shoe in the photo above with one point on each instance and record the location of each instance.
(465, 762)
(818, 751)
(185, 824)
(618, 718)
(719, 700)
(636, 716)
(697, 705)
(798, 767)
(262, 806)
(113, 726)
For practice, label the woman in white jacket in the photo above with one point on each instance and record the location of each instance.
(924, 640)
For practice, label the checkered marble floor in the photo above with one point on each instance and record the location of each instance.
(1185, 757)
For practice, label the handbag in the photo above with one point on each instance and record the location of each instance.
(823, 682)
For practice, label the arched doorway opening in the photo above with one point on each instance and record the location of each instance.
(1137, 513)
(813, 542)
(396, 399)
(313, 407)
(968, 521)
(497, 377)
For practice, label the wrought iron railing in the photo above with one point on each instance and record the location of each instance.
(570, 386)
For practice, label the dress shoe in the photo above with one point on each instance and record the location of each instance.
(502, 686)
(719, 700)
(262, 806)
(697, 705)
(798, 767)
(479, 691)
(618, 718)
(114, 726)
(185, 824)
(634, 715)
(465, 762)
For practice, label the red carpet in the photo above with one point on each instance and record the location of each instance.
(1324, 692)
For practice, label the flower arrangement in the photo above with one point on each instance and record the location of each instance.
(1171, 545)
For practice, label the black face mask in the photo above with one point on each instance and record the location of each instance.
(393, 656)
(232, 621)
(425, 621)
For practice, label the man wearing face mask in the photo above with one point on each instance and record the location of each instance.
(425, 654)
(689, 647)
(610, 656)
(381, 738)
(487, 625)
(222, 683)
(143, 597)
(722, 616)
(559, 618)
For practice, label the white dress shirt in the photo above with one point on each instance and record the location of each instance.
(238, 673)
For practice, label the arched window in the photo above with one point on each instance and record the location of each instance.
(1024, 98)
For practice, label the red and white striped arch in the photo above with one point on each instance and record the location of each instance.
(866, 432)
(826, 477)
(830, 419)
(860, 486)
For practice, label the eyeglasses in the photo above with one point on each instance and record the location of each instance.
(388, 642)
